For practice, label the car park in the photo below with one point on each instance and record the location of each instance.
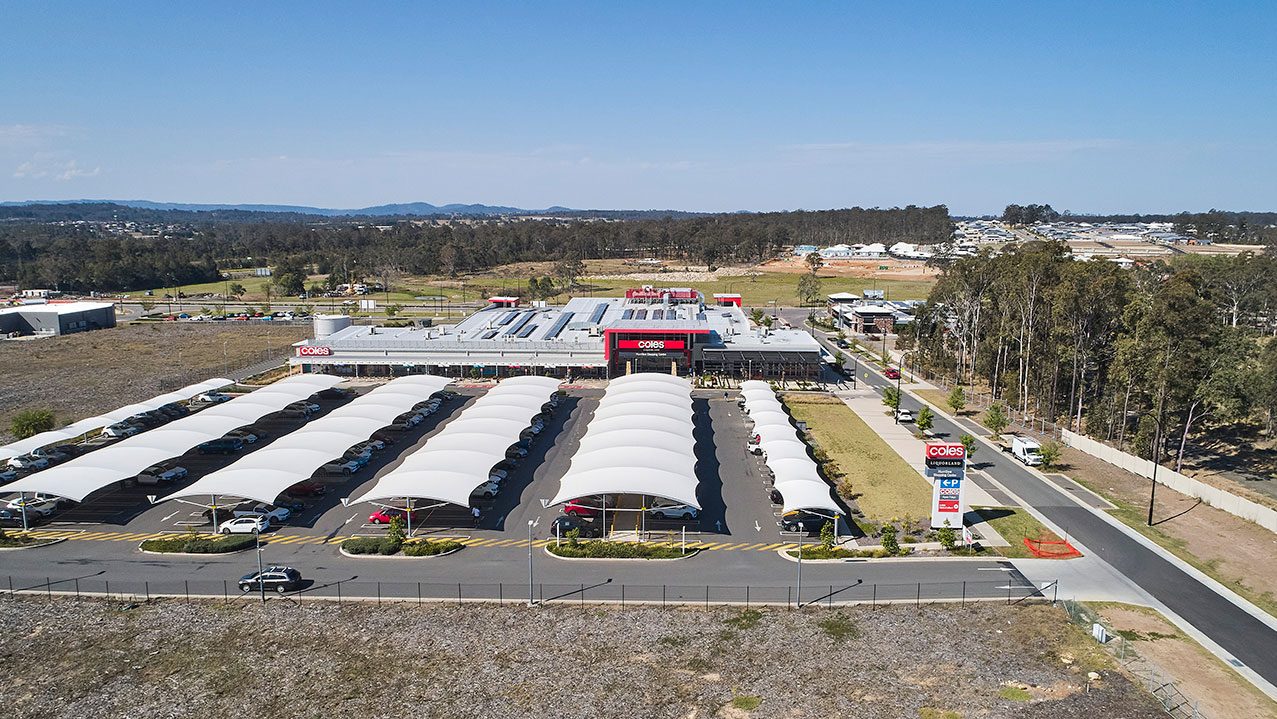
(673, 511)
(384, 515)
(344, 465)
(222, 445)
(487, 490)
(28, 462)
(516, 452)
(8, 475)
(213, 398)
(811, 522)
(42, 504)
(564, 524)
(334, 393)
(159, 474)
(275, 515)
(277, 579)
(307, 489)
(248, 436)
(13, 518)
(121, 429)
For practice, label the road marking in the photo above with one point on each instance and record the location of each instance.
(174, 514)
(995, 569)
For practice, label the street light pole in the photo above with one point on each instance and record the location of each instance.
(1152, 489)
(800, 565)
(261, 583)
(530, 525)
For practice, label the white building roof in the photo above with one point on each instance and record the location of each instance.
(84, 475)
(455, 462)
(265, 474)
(60, 308)
(71, 431)
(639, 442)
(797, 477)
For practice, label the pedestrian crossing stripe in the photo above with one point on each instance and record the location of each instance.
(313, 539)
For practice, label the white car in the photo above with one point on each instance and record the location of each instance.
(343, 466)
(245, 525)
(674, 511)
(497, 475)
(160, 475)
(272, 514)
(28, 461)
(244, 435)
(904, 415)
(375, 445)
(213, 397)
(120, 430)
(41, 504)
(487, 490)
(359, 452)
(408, 421)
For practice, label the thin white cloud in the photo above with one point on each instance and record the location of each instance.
(43, 167)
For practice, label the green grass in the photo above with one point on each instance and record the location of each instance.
(839, 627)
(747, 619)
(746, 702)
(933, 713)
(887, 486)
(599, 549)
(1015, 694)
(1015, 525)
(818, 551)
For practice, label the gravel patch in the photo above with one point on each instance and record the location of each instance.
(93, 658)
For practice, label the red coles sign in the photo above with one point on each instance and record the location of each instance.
(650, 345)
(946, 451)
(312, 351)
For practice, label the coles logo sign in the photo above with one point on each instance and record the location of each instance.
(313, 351)
(650, 345)
(946, 451)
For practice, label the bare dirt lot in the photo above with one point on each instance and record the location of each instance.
(84, 374)
(896, 269)
(172, 659)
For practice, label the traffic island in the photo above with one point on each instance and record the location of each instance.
(365, 547)
(22, 540)
(198, 544)
(599, 549)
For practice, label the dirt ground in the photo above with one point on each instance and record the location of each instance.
(1238, 552)
(84, 374)
(896, 269)
(1219, 691)
(172, 659)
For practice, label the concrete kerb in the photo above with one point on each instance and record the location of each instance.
(783, 552)
(690, 553)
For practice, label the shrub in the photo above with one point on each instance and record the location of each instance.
(946, 537)
(1050, 453)
(30, 422)
(827, 535)
(396, 532)
(430, 548)
(957, 400)
(889, 543)
(995, 418)
(891, 397)
(599, 549)
(370, 545)
(926, 419)
(192, 543)
(968, 441)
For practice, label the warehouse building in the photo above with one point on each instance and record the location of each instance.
(55, 318)
(668, 330)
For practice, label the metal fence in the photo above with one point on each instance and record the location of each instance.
(1164, 689)
(1020, 421)
(594, 592)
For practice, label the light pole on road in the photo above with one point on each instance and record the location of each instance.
(800, 565)
(531, 524)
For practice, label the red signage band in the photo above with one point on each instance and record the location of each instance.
(650, 345)
(313, 351)
(946, 451)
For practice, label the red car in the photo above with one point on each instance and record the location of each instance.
(892, 373)
(307, 489)
(577, 508)
(385, 514)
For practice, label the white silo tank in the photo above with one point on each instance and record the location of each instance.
(327, 325)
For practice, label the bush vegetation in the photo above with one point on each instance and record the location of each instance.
(194, 543)
(599, 549)
(393, 544)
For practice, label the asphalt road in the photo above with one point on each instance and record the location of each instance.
(1248, 639)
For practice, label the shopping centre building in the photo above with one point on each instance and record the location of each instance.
(650, 329)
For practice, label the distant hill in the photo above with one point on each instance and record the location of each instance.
(405, 209)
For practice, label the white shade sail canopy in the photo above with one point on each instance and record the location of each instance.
(92, 424)
(797, 477)
(640, 441)
(84, 475)
(458, 460)
(266, 473)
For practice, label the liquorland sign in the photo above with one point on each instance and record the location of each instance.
(650, 345)
(314, 351)
(947, 469)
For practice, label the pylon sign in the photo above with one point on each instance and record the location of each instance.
(946, 466)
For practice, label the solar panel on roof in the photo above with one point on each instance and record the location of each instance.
(526, 331)
(640, 315)
(506, 320)
(627, 314)
(519, 325)
(599, 310)
(489, 334)
(659, 315)
(558, 325)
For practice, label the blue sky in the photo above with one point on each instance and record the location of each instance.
(700, 106)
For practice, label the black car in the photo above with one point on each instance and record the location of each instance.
(280, 579)
(334, 393)
(811, 522)
(222, 445)
(13, 518)
(776, 497)
(564, 524)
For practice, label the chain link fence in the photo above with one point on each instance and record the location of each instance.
(1163, 688)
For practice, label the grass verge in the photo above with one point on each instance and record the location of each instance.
(882, 484)
(1015, 525)
(820, 551)
(200, 543)
(599, 549)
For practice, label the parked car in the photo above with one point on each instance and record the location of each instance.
(841, 343)
(533, 430)
(344, 465)
(487, 490)
(275, 515)
(278, 579)
(245, 525)
(161, 475)
(385, 514)
(904, 415)
(8, 475)
(673, 511)
(309, 407)
(564, 524)
(42, 504)
(576, 508)
(307, 489)
(174, 410)
(249, 436)
(359, 452)
(121, 429)
(222, 445)
(213, 398)
(13, 518)
(406, 421)
(334, 393)
(775, 496)
(28, 462)
(516, 452)
(811, 522)
(376, 445)
(891, 373)
(498, 475)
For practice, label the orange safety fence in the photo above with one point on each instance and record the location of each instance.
(1051, 548)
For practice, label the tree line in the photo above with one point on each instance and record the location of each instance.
(84, 257)
(1143, 358)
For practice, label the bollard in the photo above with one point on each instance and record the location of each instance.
(458, 594)
(500, 593)
(108, 588)
(379, 594)
(339, 592)
(964, 593)
(831, 596)
(185, 582)
(419, 594)
(622, 595)
(226, 596)
(874, 605)
(583, 593)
